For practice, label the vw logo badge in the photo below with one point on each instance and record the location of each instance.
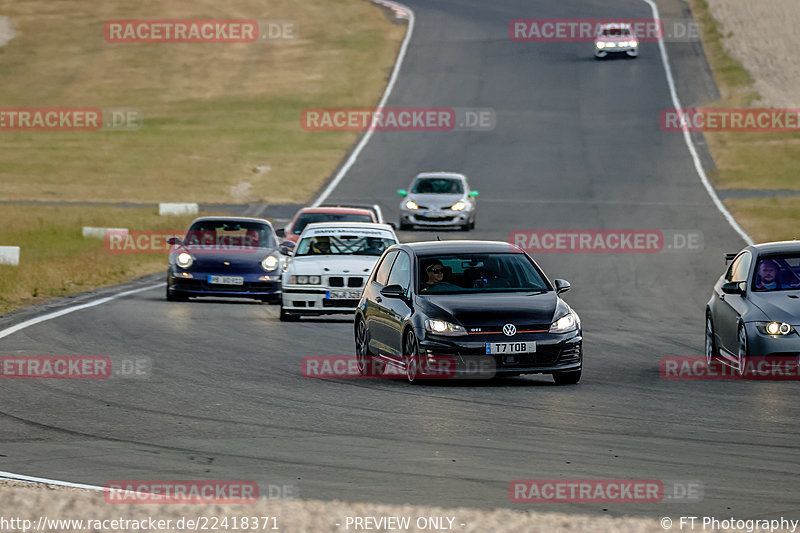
(510, 330)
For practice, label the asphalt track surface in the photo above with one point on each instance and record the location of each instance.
(577, 145)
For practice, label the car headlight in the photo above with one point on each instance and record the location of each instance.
(411, 204)
(442, 327)
(304, 280)
(565, 323)
(184, 260)
(459, 206)
(270, 263)
(600, 45)
(775, 328)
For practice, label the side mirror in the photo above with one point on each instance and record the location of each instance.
(734, 287)
(287, 247)
(393, 291)
(402, 192)
(562, 285)
(473, 193)
(281, 232)
(174, 241)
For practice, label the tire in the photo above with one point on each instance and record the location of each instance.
(286, 316)
(412, 360)
(743, 352)
(404, 227)
(567, 378)
(711, 350)
(472, 224)
(363, 355)
(174, 297)
(465, 227)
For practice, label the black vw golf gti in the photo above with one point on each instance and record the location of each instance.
(477, 304)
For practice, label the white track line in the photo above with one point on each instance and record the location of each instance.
(30, 479)
(28, 323)
(368, 135)
(688, 138)
(398, 8)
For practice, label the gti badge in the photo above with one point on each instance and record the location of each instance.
(510, 330)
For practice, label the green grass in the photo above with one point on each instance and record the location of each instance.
(56, 260)
(749, 160)
(212, 113)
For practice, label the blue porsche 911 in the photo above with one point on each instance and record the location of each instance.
(233, 257)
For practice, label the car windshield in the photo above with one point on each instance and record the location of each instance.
(343, 245)
(230, 234)
(777, 273)
(497, 272)
(308, 218)
(616, 32)
(437, 186)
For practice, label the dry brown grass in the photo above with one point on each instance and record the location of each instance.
(212, 112)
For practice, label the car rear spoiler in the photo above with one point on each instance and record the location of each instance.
(730, 257)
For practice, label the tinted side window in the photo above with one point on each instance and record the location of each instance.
(401, 272)
(740, 267)
(382, 275)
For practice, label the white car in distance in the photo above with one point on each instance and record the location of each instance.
(329, 266)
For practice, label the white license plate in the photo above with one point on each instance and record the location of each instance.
(505, 348)
(435, 214)
(226, 280)
(344, 294)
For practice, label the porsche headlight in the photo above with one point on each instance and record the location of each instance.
(184, 260)
(775, 328)
(411, 204)
(270, 263)
(458, 206)
(565, 323)
(442, 327)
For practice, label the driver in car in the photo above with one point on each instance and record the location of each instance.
(767, 277)
(321, 246)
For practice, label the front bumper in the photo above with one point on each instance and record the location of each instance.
(555, 352)
(417, 218)
(763, 345)
(255, 285)
(304, 300)
(631, 51)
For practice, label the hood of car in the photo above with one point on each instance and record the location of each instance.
(780, 306)
(351, 265)
(481, 310)
(434, 201)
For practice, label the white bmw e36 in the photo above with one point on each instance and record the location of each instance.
(329, 266)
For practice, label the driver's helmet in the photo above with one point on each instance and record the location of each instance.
(321, 245)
